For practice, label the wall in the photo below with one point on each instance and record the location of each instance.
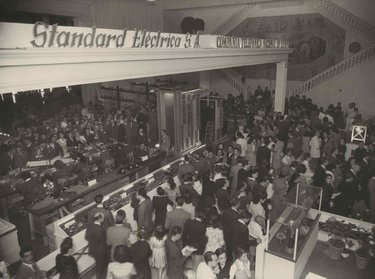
(119, 14)
(355, 85)
(318, 43)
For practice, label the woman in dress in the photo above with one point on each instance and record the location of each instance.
(251, 152)
(157, 244)
(66, 265)
(159, 203)
(121, 268)
(214, 234)
(240, 269)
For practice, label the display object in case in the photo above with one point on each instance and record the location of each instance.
(291, 232)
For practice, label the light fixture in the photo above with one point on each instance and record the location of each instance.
(2, 98)
(67, 89)
(14, 96)
(42, 93)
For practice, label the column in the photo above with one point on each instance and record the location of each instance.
(204, 80)
(280, 86)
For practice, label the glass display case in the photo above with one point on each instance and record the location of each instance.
(292, 232)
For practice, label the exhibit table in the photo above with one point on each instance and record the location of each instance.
(74, 224)
(40, 213)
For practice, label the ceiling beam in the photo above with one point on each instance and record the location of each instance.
(33, 69)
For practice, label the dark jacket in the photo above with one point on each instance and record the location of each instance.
(145, 215)
(140, 252)
(175, 259)
(108, 217)
(97, 240)
(195, 235)
(67, 267)
(241, 236)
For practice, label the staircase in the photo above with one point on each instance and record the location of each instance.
(337, 69)
(332, 11)
(235, 19)
(230, 77)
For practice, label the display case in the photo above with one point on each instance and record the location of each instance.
(292, 233)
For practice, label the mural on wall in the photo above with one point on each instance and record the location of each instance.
(318, 43)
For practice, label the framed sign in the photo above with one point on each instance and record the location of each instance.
(359, 133)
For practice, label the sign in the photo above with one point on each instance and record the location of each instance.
(359, 133)
(238, 42)
(42, 36)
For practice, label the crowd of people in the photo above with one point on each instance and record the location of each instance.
(209, 223)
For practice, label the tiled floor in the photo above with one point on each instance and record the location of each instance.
(321, 264)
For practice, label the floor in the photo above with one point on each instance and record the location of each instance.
(321, 264)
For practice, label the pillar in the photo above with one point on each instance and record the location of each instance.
(280, 86)
(204, 80)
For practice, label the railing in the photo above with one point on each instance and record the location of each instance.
(337, 69)
(234, 20)
(232, 81)
(327, 7)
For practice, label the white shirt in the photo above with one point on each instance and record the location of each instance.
(256, 209)
(243, 144)
(120, 270)
(314, 147)
(205, 272)
(255, 231)
(241, 265)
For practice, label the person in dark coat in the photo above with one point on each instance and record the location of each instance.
(108, 217)
(7, 162)
(97, 244)
(229, 220)
(320, 172)
(222, 194)
(241, 233)
(263, 156)
(187, 186)
(66, 265)
(195, 236)
(140, 252)
(159, 204)
(175, 259)
(144, 210)
(223, 264)
(177, 217)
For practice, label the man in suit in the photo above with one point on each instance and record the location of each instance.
(177, 217)
(222, 194)
(185, 168)
(229, 219)
(175, 259)
(195, 236)
(7, 162)
(187, 186)
(28, 268)
(233, 175)
(165, 141)
(119, 233)
(108, 217)
(241, 233)
(320, 173)
(263, 156)
(144, 219)
(97, 243)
